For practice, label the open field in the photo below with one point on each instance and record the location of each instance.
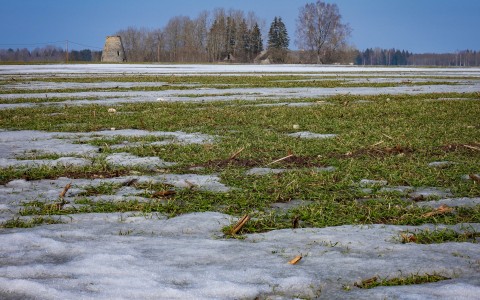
(126, 181)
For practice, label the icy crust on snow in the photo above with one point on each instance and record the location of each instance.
(31, 143)
(125, 256)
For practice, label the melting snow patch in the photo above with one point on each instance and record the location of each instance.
(430, 192)
(324, 169)
(264, 171)
(61, 162)
(399, 189)
(128, 160)
(202, 182)
(440, 164)
(120, 256)
(452, 202)
(370, 182)
(311, 135)
(285, 206)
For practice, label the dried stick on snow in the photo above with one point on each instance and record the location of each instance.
(240, 224)
(65, 190)
(295, 260)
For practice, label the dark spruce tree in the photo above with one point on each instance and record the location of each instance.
(256, 41)
(278, 41)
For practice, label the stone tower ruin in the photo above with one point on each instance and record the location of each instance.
(113, 50)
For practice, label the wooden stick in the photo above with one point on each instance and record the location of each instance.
(474, 177)
(240, 224)
(190, 185)
(65, 190)
(376, 144)
(280, 159)
(295, 260)
(236, 153)
(386, 135)
(471, 147)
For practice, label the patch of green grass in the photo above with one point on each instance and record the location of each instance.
(408, 280)
(96, 170)
(104, 188)
(439, 236)
(30, 222)
(33, 155)
(328, 213)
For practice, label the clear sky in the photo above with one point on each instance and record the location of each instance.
(415, 25)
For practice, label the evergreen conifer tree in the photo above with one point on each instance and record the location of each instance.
(278, 41)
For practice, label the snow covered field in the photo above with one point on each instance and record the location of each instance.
(96, 69)
(148, 256)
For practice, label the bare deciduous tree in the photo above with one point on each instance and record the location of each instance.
(320, 30)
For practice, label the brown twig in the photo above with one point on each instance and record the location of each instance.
(190, 185)
(65, 190)
(236, 153)
(240, 224)
(367, 282)
(443, 209)
(376, 144)
(296, 222)
(471, 147)
(474, 177)
(296, 260)
(387, 136)
(280, 159)
(164, 193)
(130, 182)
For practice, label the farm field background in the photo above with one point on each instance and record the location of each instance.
(124, 181)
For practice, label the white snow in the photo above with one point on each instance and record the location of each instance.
(227, 69)
(452, 202)
(312, 135)
(128, 160)
(125, 256)
(264, 171)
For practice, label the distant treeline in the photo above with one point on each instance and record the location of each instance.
(370, 57)
(393, 57)
(49, 54)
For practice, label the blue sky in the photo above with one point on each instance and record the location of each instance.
(415, 25)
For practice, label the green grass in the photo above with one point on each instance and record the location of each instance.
(439, 236)
(408, 280)
(391, 138)
(30, 222)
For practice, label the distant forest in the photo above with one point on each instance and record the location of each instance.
(369, 57)
(235, 37)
